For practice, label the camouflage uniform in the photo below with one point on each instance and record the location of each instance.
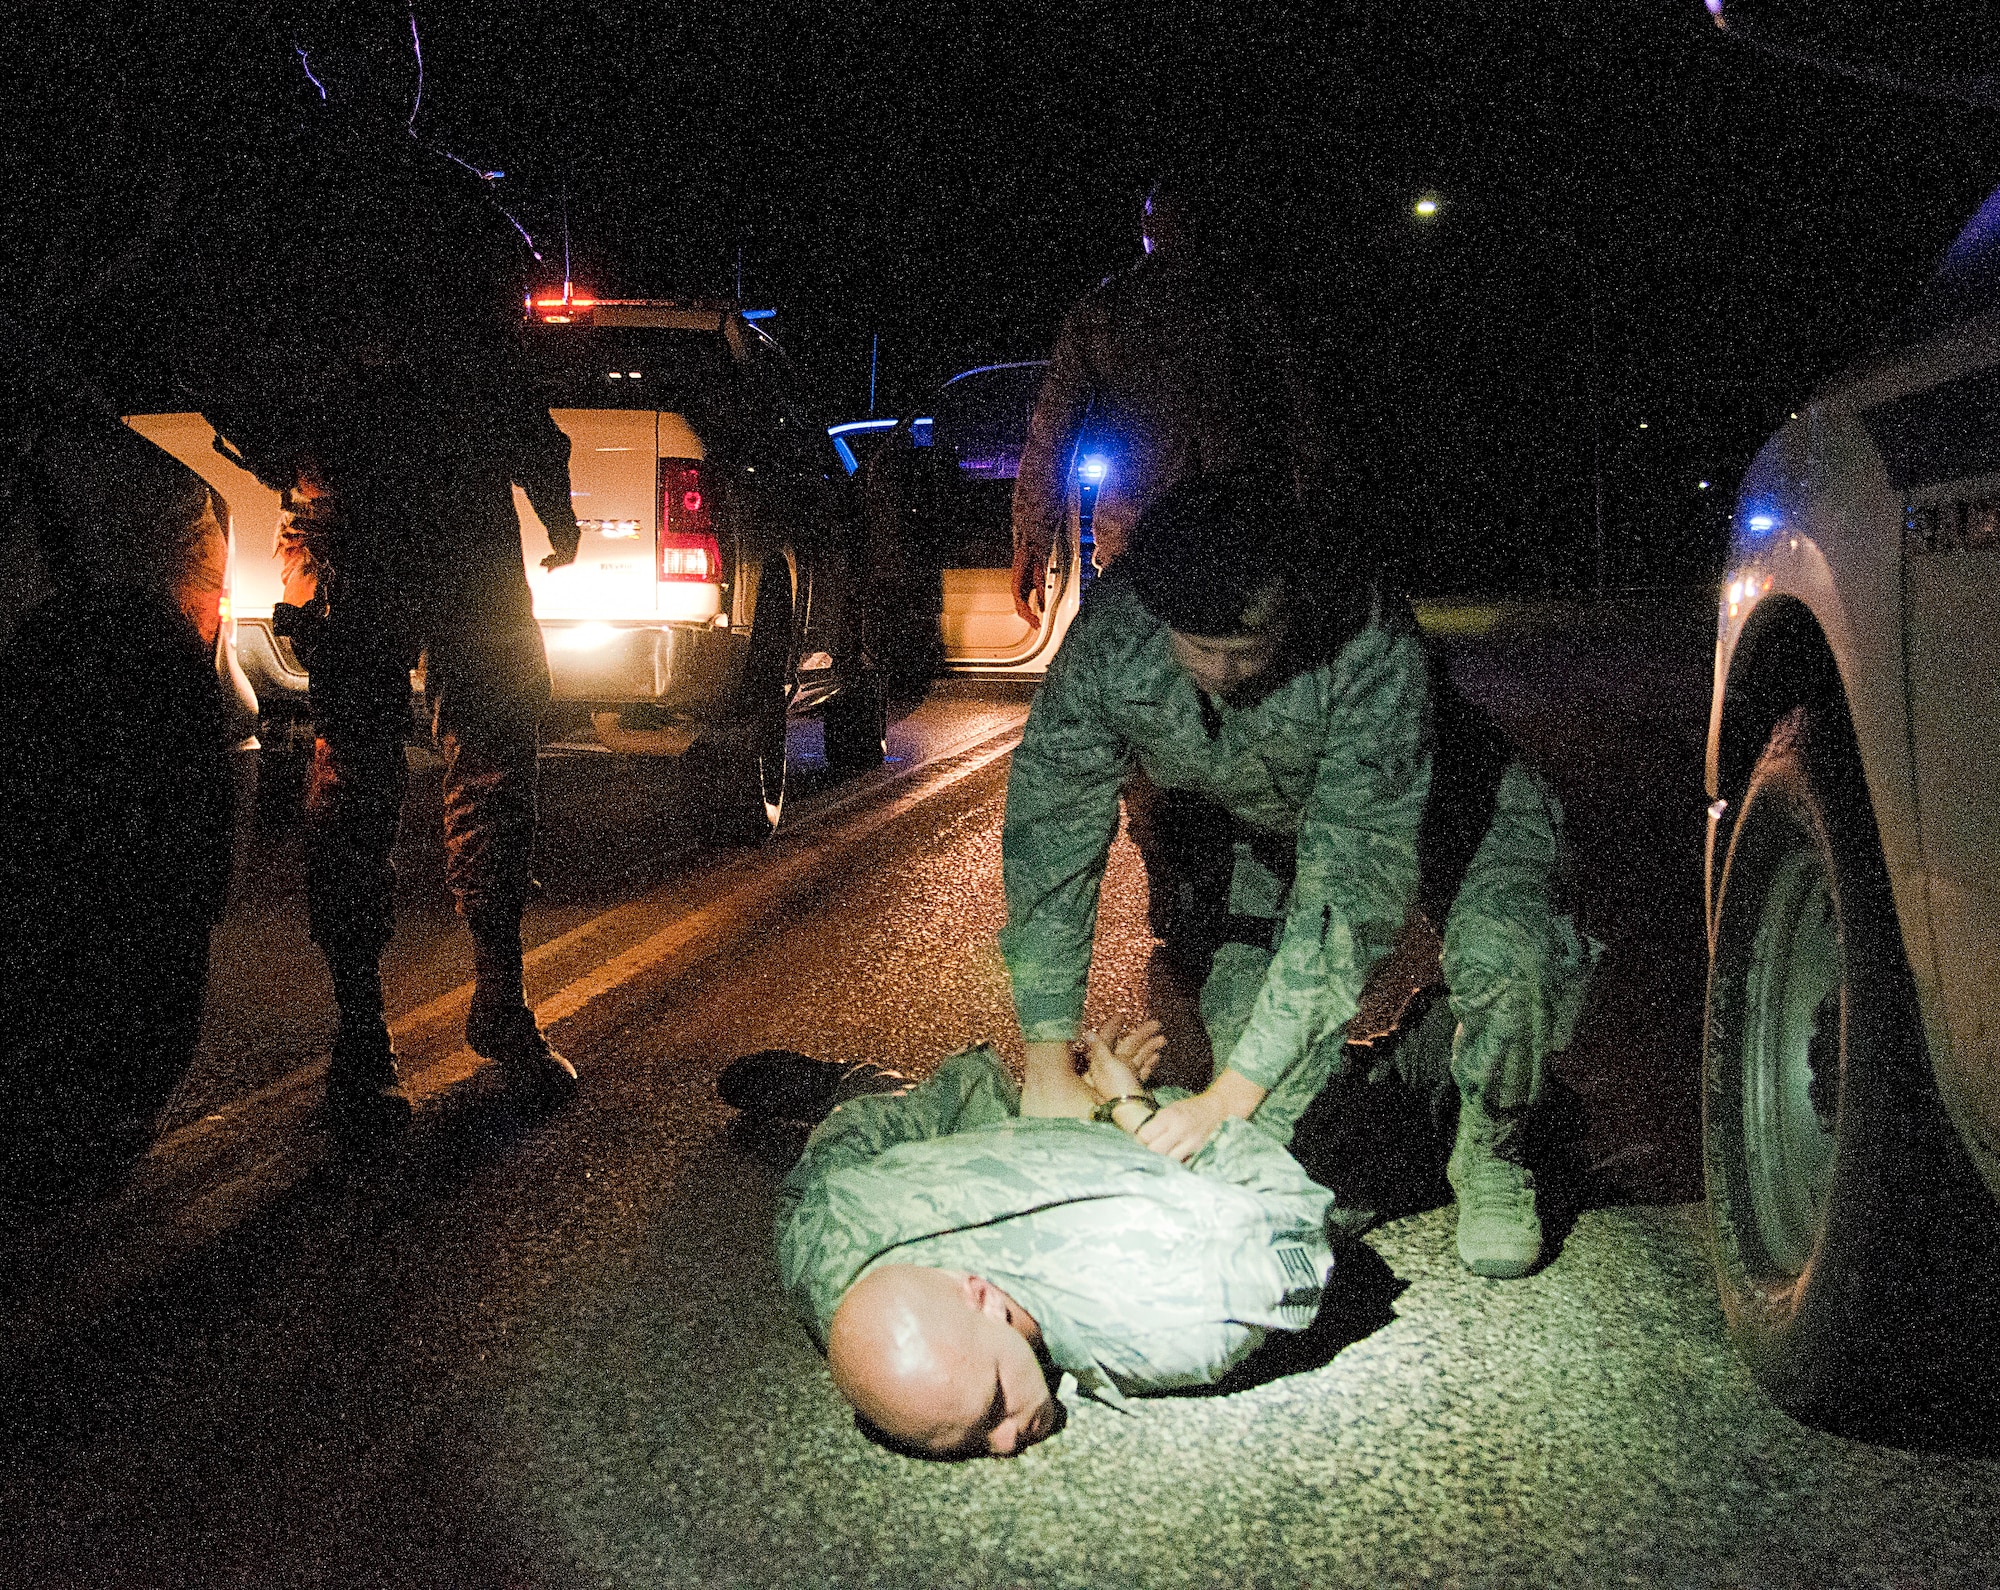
(1326, 779)
(426, 563)
(1143, 1274)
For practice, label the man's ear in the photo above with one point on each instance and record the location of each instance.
(982, 1297)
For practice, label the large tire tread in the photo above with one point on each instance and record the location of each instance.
(1880, 1333)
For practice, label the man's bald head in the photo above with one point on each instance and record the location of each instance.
(940, 1361)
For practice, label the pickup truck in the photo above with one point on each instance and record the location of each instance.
(719, 582)
(1851, 1115)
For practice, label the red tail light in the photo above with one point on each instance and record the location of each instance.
(688, 548)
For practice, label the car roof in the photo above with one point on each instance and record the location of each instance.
(989, 369)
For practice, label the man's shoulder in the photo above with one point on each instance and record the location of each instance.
(1111, 615)
(1113, 641)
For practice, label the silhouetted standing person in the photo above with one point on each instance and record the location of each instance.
(1171, 367)
(389, 403)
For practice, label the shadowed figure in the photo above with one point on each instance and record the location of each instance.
(116, 798)
(370, 370)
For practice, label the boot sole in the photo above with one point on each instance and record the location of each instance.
(1500, 1269)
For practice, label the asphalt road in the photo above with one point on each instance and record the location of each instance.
(555, 1355)
(614, 830)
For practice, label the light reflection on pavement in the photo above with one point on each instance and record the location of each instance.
(612, 828)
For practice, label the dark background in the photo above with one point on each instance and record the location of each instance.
(949, 177)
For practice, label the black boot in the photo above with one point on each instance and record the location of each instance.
(789, 1086)
(365, 1104)
(500, 1026)
(537, 1074)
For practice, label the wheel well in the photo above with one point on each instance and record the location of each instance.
(1781, 661)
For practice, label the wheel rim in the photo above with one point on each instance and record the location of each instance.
(1791, 1059)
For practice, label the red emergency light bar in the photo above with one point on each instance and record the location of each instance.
(561, 311)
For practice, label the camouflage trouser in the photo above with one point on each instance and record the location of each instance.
(1516, 968)
(467, 614)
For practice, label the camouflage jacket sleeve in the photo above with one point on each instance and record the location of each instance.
(1357, 854)
(1062, 812)
(1041, 489)
(821, 1248)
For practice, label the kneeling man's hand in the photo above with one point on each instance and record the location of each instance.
(1181, 1128)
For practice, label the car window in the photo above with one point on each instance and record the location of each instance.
(629, 367)
(981, 419)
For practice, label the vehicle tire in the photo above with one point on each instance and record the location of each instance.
(857, 725)
(746, 785)
(1849, 1228)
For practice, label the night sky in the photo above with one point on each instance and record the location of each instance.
(951, 176)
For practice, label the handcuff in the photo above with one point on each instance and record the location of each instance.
(1103, 1113)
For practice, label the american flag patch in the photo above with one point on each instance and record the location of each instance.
(1298, 1264)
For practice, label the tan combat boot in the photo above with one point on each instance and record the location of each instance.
(1499, 1232)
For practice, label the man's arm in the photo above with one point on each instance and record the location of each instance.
(971, 1086)
(1041, 489)
(541, 468)
(1357, 856)
(1062, 810)
(1050, 1086)
(1356, 879)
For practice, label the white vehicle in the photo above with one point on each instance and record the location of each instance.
(714, 589)
(1851, 1119)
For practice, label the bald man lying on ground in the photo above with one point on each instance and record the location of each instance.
(947, 1252)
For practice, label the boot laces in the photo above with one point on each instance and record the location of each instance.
(1485, 1177)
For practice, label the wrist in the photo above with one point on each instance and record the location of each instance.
(1234, 1095)
(1050, 1085)
(1127, 1111)
(1050, 1060)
